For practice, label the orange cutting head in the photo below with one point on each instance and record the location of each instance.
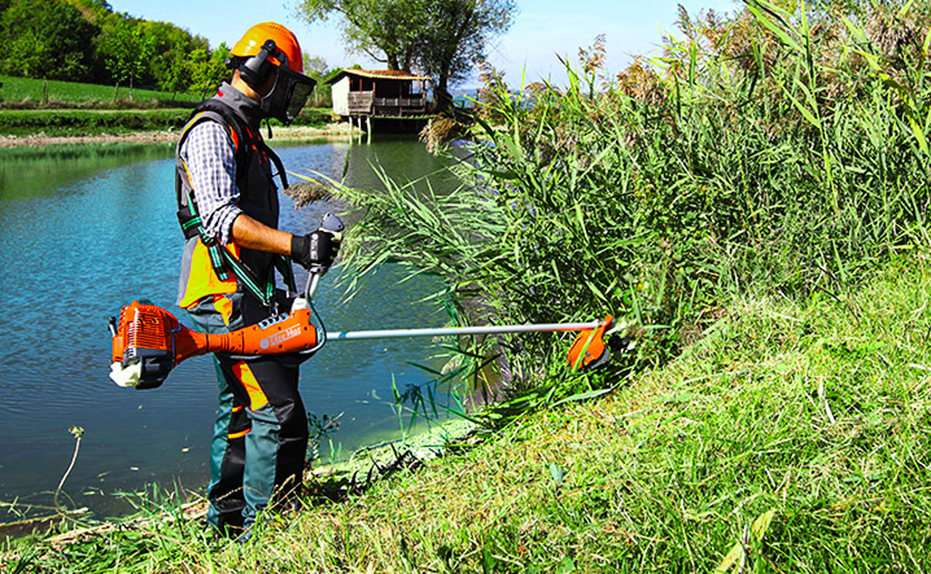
(589, 348)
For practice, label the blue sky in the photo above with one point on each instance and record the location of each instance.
(542, 30)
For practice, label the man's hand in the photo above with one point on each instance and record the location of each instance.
(315, 251)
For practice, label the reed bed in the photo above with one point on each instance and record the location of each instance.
(774, 151)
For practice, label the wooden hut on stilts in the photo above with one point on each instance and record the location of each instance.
(381, 101)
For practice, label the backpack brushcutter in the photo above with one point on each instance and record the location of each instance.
(148, 341)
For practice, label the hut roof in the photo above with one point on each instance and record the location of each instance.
(377, 75)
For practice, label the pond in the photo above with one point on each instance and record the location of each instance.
(85, 230)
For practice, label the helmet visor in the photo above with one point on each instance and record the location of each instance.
(289, 95)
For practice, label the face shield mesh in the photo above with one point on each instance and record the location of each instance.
(288, 96)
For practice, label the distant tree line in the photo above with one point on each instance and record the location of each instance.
(86, 41)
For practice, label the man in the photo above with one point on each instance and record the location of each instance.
(228, 209)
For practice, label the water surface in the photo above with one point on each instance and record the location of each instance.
(85, 231)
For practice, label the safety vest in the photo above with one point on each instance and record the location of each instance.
(207, 267)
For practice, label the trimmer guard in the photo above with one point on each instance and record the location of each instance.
(589, 350)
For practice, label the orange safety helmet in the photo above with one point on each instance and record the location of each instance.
(263, 49)
(255, 37)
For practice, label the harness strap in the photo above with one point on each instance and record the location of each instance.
(282, 174)
(225, 263)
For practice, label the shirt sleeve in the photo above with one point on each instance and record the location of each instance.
(210, 157)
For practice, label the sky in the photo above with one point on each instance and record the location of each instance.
(542, 31)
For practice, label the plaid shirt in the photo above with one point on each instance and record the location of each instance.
(210, 156)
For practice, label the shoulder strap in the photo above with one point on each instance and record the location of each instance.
(243, 137)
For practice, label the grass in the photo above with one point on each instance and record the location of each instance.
(92, 122)
(816, 414)
(780, 151)
(71, 108)
(753, 207)
(791, 438)
(26, 93)
(89, 122)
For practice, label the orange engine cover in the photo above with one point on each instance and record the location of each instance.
(151, 335)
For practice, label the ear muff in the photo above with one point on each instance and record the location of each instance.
(255, 70)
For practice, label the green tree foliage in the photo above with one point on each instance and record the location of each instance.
(85, 40)
(95, 11)
(456, 38)
(442, 38)
(171, 68)
(127, 49)
(47, 39)
(317, 68)
(208, 68)
(386, 30)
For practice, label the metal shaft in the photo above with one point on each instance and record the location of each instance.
(484, 330)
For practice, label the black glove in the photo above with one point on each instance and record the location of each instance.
(315, 251)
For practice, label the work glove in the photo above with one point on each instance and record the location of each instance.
(315, 251)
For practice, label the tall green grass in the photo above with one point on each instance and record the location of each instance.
(776, 151)
(90, 122)
(26, 92)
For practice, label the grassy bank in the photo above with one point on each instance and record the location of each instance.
(29, 93)
(792, 438)
(89, 122)
(56, 109)
(753, 206)
(70, 122)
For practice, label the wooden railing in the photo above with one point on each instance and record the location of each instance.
(409, 102)
(365, 103)
(361, 102)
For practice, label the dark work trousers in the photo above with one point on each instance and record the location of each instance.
(260, 434)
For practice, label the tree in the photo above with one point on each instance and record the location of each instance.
(386, 30)
(442, 38)
(208, 68)
(176, 74)
(316, 67)
(170, 67)
(455, 41)
(47, 39)
(126, 50)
